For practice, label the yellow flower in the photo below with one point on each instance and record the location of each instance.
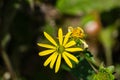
(59, 50)
(76, 32)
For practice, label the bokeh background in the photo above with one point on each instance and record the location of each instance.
(22, 23)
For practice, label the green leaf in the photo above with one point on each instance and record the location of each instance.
(77, 7)
(86, 19)
(49, 29)
(65, 67)
(83, 70)
(111, 69)
(104, 73)
(106, 36)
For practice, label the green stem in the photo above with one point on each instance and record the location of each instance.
(93, 64)
(93, 67)
(8, 64)
(108, 55)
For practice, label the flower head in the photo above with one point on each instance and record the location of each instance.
(76, 32)
(59, 50)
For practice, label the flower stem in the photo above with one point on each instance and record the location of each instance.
(108, 55)
(8, 64)
(93, 64)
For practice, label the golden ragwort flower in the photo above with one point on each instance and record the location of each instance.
(59, 50)
(76, 32)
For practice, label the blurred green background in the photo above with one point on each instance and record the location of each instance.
(22, 23)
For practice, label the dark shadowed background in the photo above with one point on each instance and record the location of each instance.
(22, 23)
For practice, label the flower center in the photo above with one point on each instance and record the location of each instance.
(78, 33)
(61, 49)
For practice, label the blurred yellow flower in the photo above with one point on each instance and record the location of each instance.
(59, 51)
(76, 32)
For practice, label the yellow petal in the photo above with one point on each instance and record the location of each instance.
(67, 60)
(69, 44)
(80, 29)
(66, 38)
(46, 45)
(58, 63)
(73, 49)
(60, 36)
(50, 39)
(70, 29)
(46, 52)
(53, 60)
(72, 57)
(48, 60)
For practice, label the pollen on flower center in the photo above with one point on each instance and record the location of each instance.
(60, 49)
(77, 32)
